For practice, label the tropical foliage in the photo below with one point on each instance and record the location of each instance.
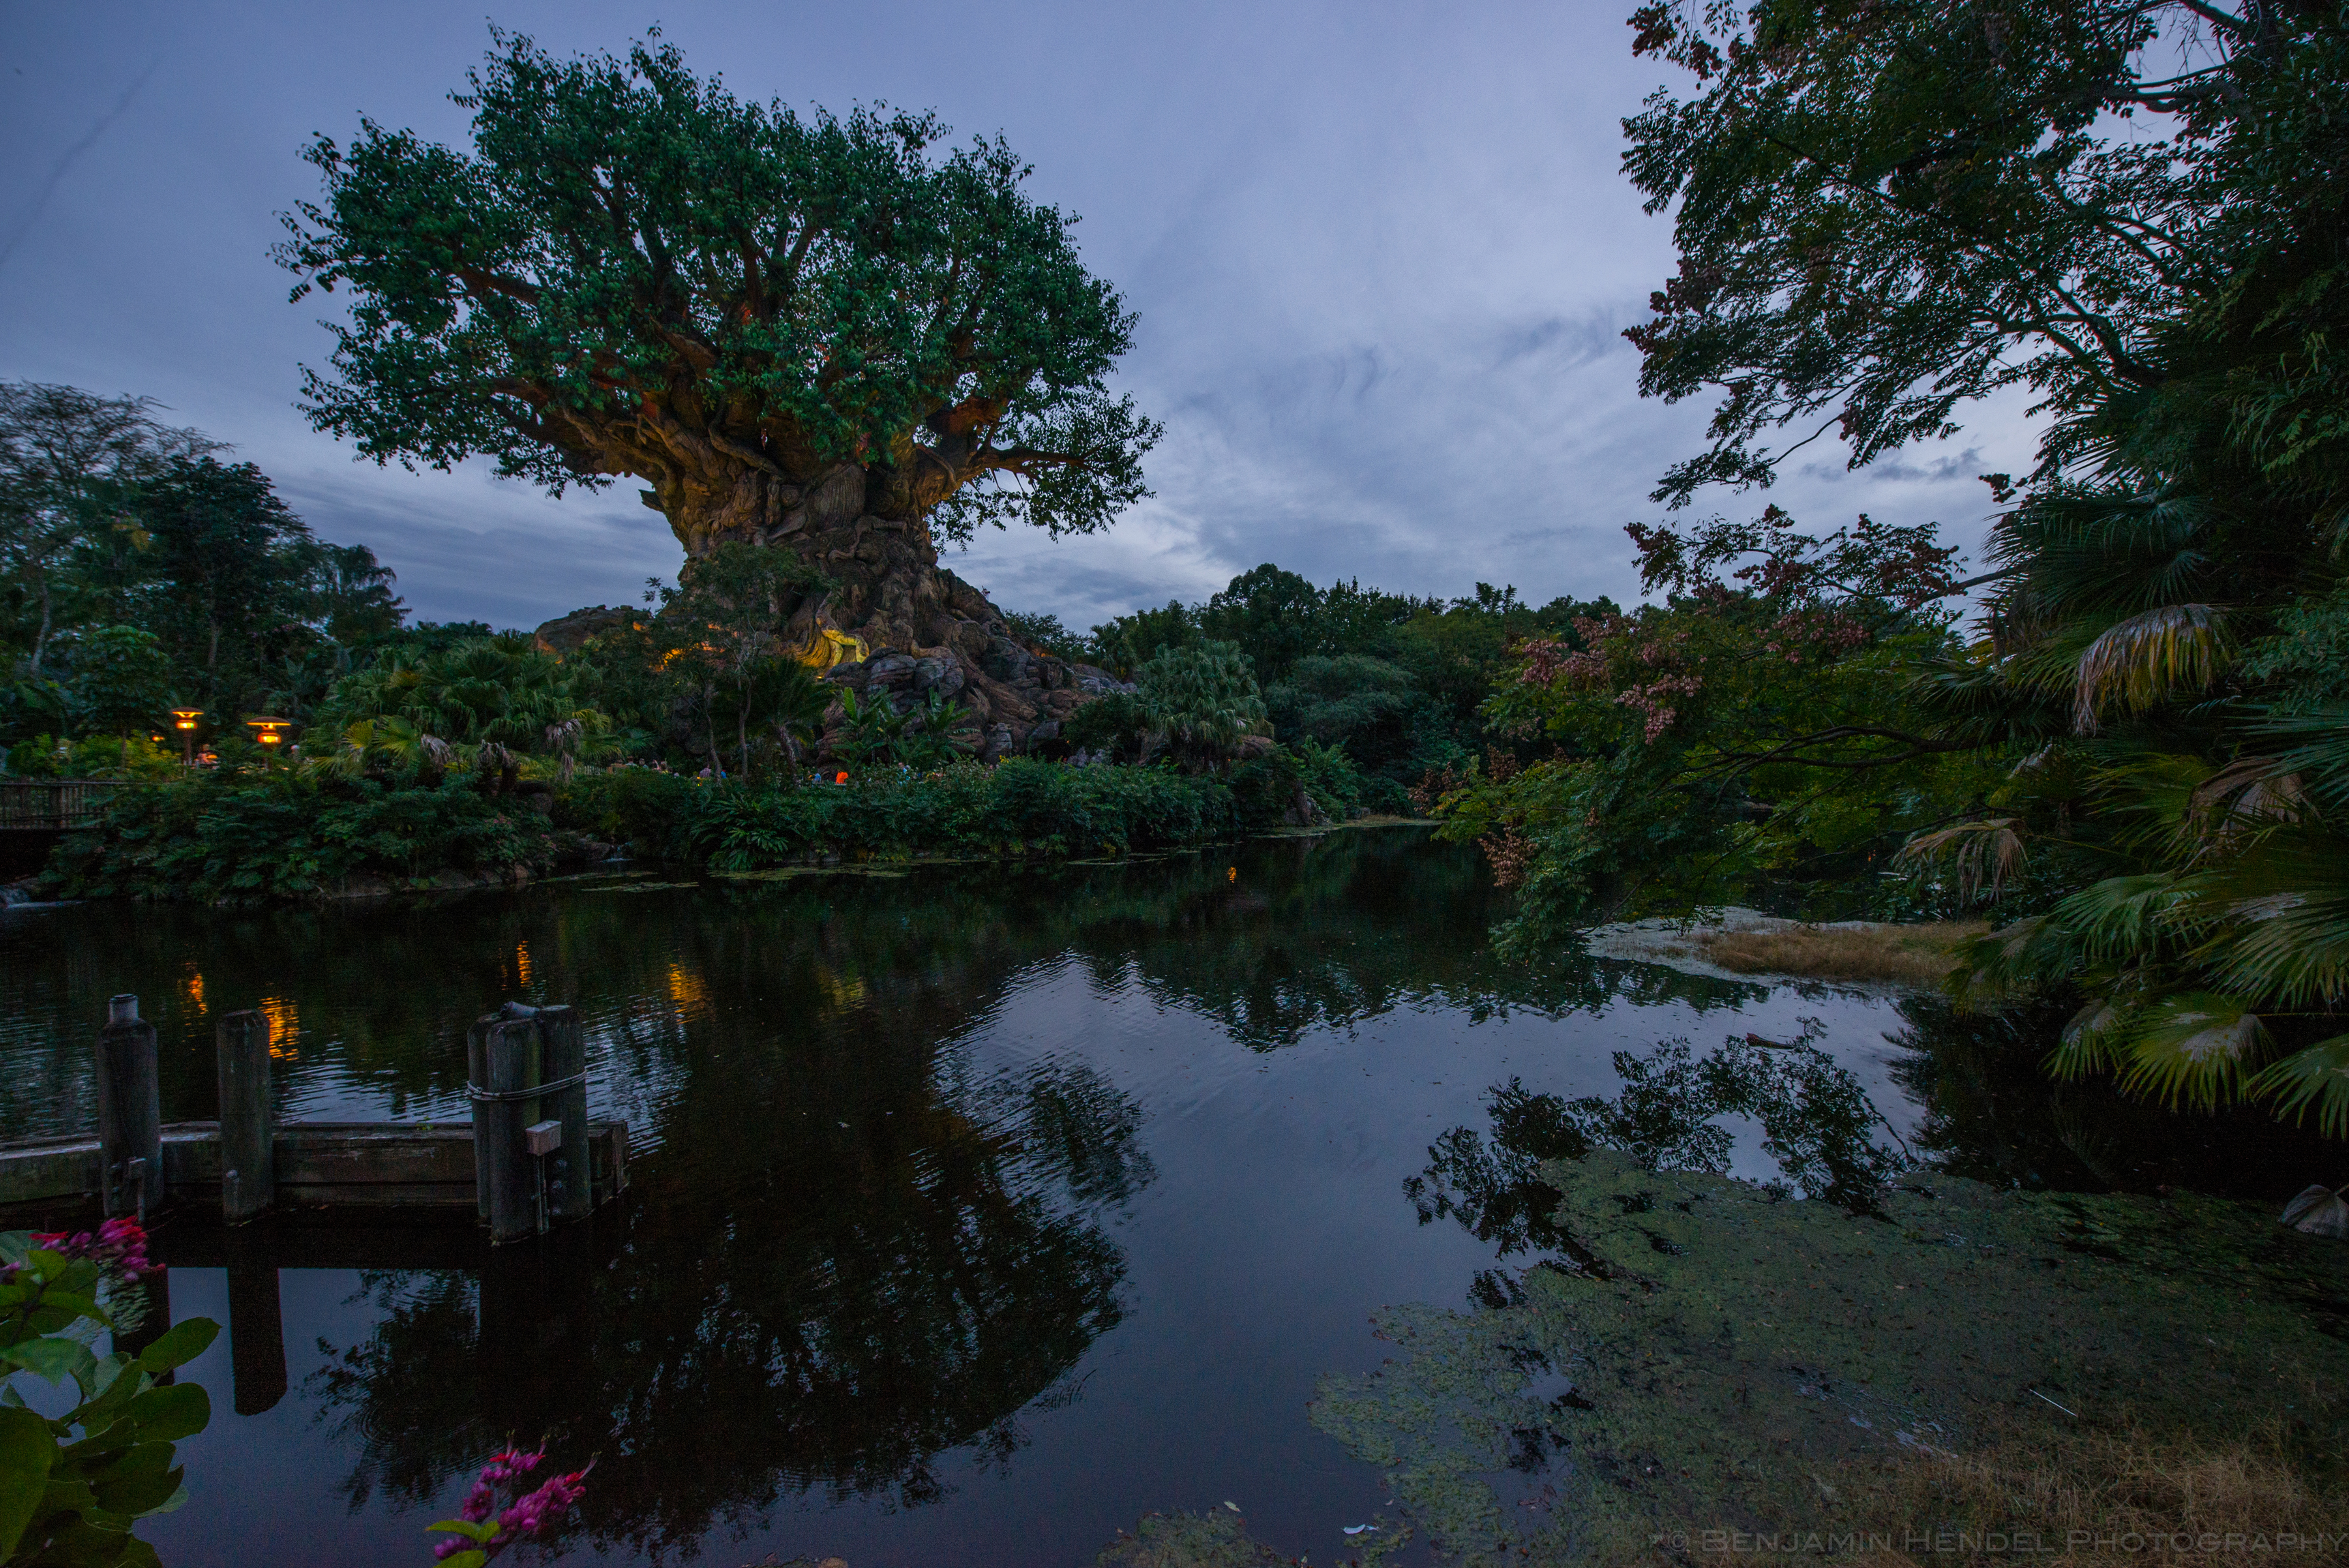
(139, 573)
(1883, 212)
(74, 1486)
(1754, 728)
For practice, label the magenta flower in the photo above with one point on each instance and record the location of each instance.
(529, 1515)
(119, 1245)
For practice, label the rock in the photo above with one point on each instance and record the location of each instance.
(921, 628)
(568, 634)
(943, 676)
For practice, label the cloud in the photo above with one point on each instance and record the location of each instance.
(1381, 256)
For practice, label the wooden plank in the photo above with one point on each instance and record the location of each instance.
(340, 1163)
(33, 1170)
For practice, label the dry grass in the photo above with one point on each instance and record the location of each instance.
(1903, 954)
(2102, 1498)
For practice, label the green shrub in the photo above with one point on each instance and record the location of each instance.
(637, 806)
(257, 838)
(1113, 725)
(1020, 806)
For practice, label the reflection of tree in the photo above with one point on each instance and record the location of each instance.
(1324, 933)
(852, 1246)
(1818, 1124)
(1993, 1112)
(840, 1309)
(1312, 933)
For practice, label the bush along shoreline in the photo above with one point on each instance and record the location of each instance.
(286, 835)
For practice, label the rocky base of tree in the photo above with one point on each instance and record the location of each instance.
(922, 629)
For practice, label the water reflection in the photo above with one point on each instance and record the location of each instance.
(866, 1236)
(1818, 1127)
(859, 1301)
(369, 1006)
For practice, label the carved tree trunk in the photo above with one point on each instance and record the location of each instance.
(921, 626)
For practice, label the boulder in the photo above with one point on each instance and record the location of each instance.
(568, 634)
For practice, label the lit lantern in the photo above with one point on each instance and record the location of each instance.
(270, 732)
(183, 719)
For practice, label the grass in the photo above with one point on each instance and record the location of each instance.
(1903, 954)
(2099, 1498)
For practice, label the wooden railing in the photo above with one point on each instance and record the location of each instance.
(50, 804)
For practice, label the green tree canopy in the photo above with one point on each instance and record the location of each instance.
(1887, 210)
(70, 461)
(771, 319)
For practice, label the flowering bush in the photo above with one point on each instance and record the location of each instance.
(482, 1529)
(118, 1246)
(72, 1487)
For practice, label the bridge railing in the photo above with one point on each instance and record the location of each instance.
(50, 804)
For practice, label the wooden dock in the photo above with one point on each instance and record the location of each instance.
(528, 1161)
(358, 1164)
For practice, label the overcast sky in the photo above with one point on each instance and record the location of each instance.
(1380, 252)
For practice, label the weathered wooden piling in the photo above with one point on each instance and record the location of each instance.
(248, 1116)
(570, 1194)
(129, 1113)
(505, 1065)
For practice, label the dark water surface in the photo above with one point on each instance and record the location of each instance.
(977, 1210)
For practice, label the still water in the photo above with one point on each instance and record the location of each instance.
(977, 1210)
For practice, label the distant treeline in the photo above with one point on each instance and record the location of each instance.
(1395, 680)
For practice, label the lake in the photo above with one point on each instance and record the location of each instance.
(976, 1210)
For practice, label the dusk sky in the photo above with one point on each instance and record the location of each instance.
(1382, 254)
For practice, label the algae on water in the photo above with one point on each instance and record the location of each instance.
(1703, 1354)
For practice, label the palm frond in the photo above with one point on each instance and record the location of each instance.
(2316, 1078)
(2319, 754)
(2147, 657)
(2120, 920)
(2275, 910)
(2085, 1046)
(2191, 1050)
(2248, 793)
(1987, 854)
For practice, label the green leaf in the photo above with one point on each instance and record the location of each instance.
(27, 1448)
(180, 1344)
(2316, 1078)
(466, 1528)
(473, 1557)
(180, 1410)
(170, 1505)
(139, 1482)
(2191, 1050)
(56, 1359)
